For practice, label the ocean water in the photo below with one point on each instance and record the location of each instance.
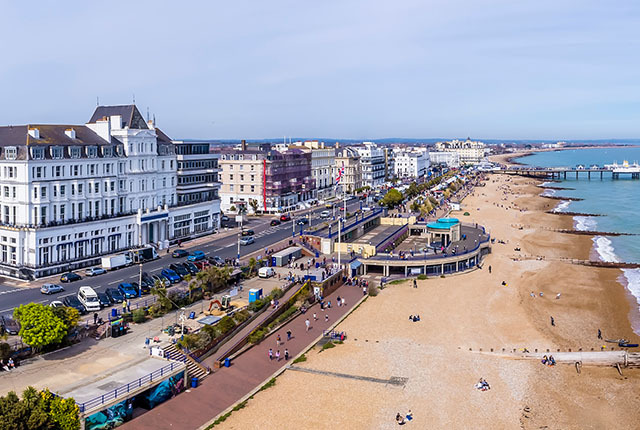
(618, 200)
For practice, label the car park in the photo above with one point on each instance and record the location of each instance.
(114, 295)
(247, 240)
(248, 232)
(51, 289)
(171, 275)
(179, 253)
(192, 268)
(179, 269)
(275, 222)
(9, 325)
(196, 256)
(70, 277)
(94, 271)
(103, 298)
(285, 217)
(128, 290)
(73, 302)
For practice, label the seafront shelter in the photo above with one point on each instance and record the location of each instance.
(443, 231)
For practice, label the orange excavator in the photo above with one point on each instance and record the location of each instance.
(222, 305)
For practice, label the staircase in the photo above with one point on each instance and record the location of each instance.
(194, 369)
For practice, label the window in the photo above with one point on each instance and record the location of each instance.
(79, 188)
(230, 166)
(164, 182)
(37, 153)
(242, 167)
(253, 188)
(252, 167)
(56, 152)
(96, 187)
(73, 190)
(253, 178)
(37, 172)
(113, 185)
(241, 188)
(92, 169)
(35, 192)
(231, 177)
(14, 192)
(74, 152)
(62, 190)
(107, 151)
(92, 151)
(58, 171)
(11, 153)
(55, 191)
(43, 192)
(231, 187)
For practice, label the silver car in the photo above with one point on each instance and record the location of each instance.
(51, 289)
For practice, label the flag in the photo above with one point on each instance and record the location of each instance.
(340, 173)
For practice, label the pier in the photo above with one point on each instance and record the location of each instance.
(614, 171)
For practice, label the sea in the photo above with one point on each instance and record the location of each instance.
(618, 201)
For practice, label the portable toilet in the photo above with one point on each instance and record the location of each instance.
(255, 294)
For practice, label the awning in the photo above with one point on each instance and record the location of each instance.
(355, 264)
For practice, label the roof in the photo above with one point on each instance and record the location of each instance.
(162, 137)
(49, 135)
(130, 115)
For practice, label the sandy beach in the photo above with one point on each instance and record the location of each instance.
(473, 311)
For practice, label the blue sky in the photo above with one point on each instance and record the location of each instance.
(343, 69)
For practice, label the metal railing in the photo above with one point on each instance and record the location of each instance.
(430, 257)
(125, 389)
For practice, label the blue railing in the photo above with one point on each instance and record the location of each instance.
(125, 389)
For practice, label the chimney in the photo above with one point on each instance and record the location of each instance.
(35, 133)
(71, 133)
(243, 145)
(116, 122)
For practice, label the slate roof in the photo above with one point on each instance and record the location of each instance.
(131, 117)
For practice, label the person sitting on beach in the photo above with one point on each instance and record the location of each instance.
(410, 317)
(416, 318)
(545, 360)
(551, 361)
(399, 419)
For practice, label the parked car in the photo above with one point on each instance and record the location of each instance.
(325, 214)
(275, 222)
(9, 325)
(192, 268)
(56, 304)
(146, 279)
(196, 256)
(162, 280)
(248, 232)
(285, 217)
(179, 269)
(144, 289)
(73, 302)
(51, 289)
(302, 221)
(224, 218)
(216, 261)
(128, 290)
(94, 271)
(247, 240)
(171, 275)
(114, 295)
(329, 205)
(179, 253)
(104, 299)
(70, 277)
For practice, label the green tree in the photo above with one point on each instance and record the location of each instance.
(254, 205)
(218, 277)
(160, 292)
(38, 411)
(252, 265)
(39, 326)
(392, 198)
(68, 315)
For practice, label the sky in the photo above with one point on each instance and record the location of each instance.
(503, 69)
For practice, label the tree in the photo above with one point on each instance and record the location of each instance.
(38, 410)
(392, 198)
(219, 277)
(415, 206)
(252, 265)
(160, 292)
(254, 205)
(39, 326)
(68, 315)
(232, 208)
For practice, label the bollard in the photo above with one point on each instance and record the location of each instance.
(491, 349)
(536, 350)
(547, 349)
(569, 349)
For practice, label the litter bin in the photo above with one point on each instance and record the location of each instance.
(114, 313)
(194, 382)
(317, 264)
(227, 362)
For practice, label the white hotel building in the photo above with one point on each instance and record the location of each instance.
(411, 163)
(71, 193)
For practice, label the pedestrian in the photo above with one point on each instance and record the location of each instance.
(599, 334)
(95, 318)
(270, 354)
(288, 335)
(278, 340)
(315, 317)
(278, 355)
(415, 283)
(146, 342)
(364, 291)
(557, 296)
(128, 305)
(489, 269)
(307, 323)
(124, 307)
(326, 318)
(344, 302)
(553, 322)
(286, 354)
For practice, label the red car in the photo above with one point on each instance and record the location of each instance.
(285, 217)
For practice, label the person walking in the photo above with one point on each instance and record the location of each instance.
(415, 283)
(278, 355)
(307, 323)
(278, 340)
(315, 317)
(286, 354)
(288, 335)
(489, 269)
(95, 318)
(124, 307)
(599, 334)
(128, 305)
(270, 354)
(364, 291)
(553, 322)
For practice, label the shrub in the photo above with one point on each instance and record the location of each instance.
(276, 293)
(211, 331)
(397, 281)
(300, 359)
(373, 290)
(189, 341)
(139, 316)
(226, 324)
(328, 345)
(5, 351)
(257, 336)
(422, 277)
(258, 304)
(241, 316)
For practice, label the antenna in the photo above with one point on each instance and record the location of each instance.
(148, 114)
(97, 101)
(134, 98)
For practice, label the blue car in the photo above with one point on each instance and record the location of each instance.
(128, 290)
(196, 256)
(171, 275)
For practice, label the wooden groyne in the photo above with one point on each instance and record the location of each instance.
(610, 264)
(555, 188)
(572, 213)
(612, 358)
(594, 233)
(569, 199)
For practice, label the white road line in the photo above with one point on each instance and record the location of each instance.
(155, 270)
(115, 282)
(218, 249)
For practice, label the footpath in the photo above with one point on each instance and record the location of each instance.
(252, 369)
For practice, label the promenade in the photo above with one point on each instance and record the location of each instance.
(226, 386)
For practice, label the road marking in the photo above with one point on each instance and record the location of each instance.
(155, 270)
(218, 249)
(115, 282)
(10, 291)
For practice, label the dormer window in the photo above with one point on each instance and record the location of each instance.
(92, 151)
(37, 153)
(11, 153)
(74, 152)
(120, 150)
(56, 152)
(107, 151)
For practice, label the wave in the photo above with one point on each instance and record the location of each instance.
(562, 206)
(548, 192)
(585, 223)
(604, 247)
(633, 282)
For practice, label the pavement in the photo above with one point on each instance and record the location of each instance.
(226, 386)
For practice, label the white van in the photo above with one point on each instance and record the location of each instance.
(89, 299)
(266, 272)
(325, 214)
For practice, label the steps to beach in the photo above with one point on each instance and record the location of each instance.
(194, 369)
